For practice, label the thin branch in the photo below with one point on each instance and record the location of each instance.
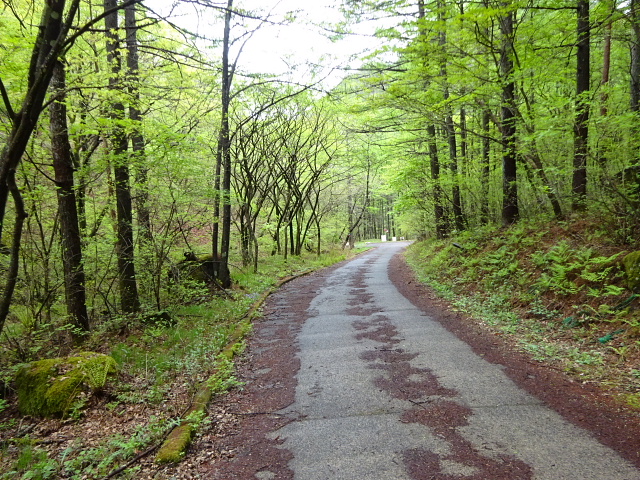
(7, 102)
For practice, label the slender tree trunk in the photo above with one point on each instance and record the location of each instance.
(486, 164)
(442, 225)
(215, 231)
(12, 273)
(129, 299)
(449, 125)
(224, 276)
(137, 138)
(635, 74)
(74, 279)
(581, 127)
(606, 68)
(458, 215)
(635, 56)
(510, 211)
(464, 142)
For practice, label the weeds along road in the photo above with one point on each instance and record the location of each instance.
(347, 379)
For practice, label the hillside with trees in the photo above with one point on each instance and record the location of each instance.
(153, 187)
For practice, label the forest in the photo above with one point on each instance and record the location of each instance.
(153, 185)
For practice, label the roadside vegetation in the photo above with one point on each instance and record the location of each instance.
(161, 362)
(153, 186)
(557, 291)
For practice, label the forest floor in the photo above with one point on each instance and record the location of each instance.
(564, 362)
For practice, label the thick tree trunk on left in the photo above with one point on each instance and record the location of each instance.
(129, 300)
(52, 34)
(53, 31)
(74, 279)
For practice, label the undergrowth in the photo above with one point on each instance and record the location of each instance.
(162, 359)
(556, 290)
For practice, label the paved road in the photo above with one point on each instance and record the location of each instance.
(385, 392)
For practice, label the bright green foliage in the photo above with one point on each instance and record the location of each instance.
(52, 387)
(32, 463)
(556, 290)
(632, 268)
(566, 270)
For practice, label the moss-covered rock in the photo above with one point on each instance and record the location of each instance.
(632, 268)
(52, 387)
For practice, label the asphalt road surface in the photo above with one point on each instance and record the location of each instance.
(385, 392)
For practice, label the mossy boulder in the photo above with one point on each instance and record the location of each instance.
(53, 387)
(632, 268)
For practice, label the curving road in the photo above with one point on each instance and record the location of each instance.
(368, 386)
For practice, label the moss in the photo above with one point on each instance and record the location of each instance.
(201, 400)
(175, 446)
(632, 268)
(51, 387)
(32, 383)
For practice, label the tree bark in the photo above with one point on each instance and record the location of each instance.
(12, 273)
(581, 127)
(486, 163)
(137, 138)
(129, 300)
(635, 74)
(635, 57)
(52, 34)
(510, 210)
(442, 225)
(71, 242)
(449, 125)
(606, 68)
(224, 275)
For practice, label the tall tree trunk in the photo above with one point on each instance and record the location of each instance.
(442, 225)
(581, 127)
(224, 275)
(12, 272)
(129, 300)
(137, 138)
(449, 124)
(458, 215)
(486, 164)
(52, 33)
(74, 279)
(215, 230)
(635, 74)
(441, 222)
(606, 68)
(510, 210)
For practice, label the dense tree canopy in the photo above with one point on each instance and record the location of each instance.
(128, 141)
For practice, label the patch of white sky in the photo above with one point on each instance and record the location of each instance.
(297, 43)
